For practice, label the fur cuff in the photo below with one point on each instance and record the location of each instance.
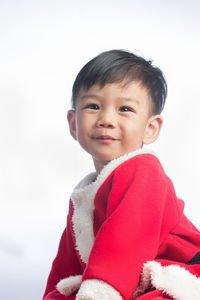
(69, 285)
(175, 281)
(95, 289)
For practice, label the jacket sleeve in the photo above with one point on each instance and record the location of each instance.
(66, 264)
(142, 209)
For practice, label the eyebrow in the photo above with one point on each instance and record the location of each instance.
(99, 97)
(90, 96)
(129, 99)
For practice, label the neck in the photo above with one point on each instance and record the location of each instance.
(99, 165)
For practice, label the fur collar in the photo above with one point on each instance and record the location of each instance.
(83, 202)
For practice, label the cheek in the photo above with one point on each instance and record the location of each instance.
(133, 133)
(86, 122)
(83, 128)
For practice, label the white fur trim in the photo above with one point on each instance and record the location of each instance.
(82, 218)
(83, 201)
(69, 285)
(95, 289)
(175, 281)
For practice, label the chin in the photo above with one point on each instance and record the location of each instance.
(106, 159)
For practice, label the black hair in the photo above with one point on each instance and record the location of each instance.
(120, 65)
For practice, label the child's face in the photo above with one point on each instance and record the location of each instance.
(111, 121)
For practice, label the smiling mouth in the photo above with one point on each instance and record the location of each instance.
(105, 137)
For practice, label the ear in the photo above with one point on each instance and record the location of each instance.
(72, 122)
(152, 129)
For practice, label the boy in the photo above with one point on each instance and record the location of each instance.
(126, 236)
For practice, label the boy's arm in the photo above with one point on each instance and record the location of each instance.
(136, 223)
(65, 264)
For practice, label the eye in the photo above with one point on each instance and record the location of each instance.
(92, 106)
(125, 108)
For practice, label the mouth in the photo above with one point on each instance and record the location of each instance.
(105, 137)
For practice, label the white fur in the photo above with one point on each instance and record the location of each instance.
(69, 285)
(94, 289)
(83, 201)
(175, 281)
(83, 217)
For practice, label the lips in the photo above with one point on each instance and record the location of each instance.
(105, 137)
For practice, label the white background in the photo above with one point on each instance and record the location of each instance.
(43, 44)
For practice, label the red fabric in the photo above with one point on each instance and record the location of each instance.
(55, 295)
(137, 218)
(153, 295)
(66, 263)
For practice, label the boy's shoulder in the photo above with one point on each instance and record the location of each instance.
(139, 160)
(143, 165)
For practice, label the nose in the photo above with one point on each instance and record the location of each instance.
(106, 120)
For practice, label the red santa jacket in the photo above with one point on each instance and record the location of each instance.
(126, 235)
